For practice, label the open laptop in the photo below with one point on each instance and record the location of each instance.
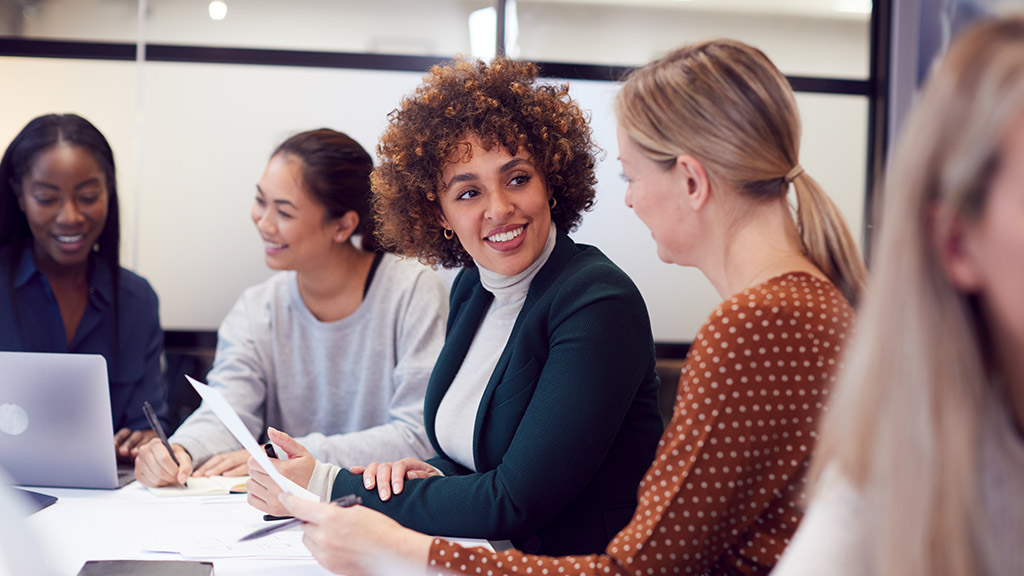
(55, 422)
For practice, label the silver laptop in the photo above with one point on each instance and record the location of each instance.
(55, 422)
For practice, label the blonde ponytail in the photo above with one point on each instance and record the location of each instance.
(726, 104)
(827, 240)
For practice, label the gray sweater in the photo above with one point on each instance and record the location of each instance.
(350, 391)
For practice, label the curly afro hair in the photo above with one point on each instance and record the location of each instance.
(502, 105)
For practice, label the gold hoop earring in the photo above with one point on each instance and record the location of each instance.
(552, 202)
(449, 233)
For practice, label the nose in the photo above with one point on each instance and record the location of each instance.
(629, 197)
(69, 213)
(263, 218)
(500, 206)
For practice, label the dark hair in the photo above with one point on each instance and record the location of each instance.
(336, 173)
(36, 137)
(502, 104)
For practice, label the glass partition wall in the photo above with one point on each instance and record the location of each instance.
(194, 95)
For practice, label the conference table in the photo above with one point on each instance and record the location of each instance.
(133, 523)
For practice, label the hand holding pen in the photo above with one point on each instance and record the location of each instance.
(158, 463)
(343, 501)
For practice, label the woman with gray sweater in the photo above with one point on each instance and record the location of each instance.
(337, 348)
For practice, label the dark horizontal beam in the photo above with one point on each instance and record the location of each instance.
(21, 47)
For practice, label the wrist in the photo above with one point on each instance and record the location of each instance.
(415, 548)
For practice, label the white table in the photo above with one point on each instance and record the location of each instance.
(104, 524)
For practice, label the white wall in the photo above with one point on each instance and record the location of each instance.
(191, 145)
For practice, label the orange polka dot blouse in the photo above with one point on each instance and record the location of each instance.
(723, 493)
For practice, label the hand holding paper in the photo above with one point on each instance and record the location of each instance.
(299, 467)
(220, 406)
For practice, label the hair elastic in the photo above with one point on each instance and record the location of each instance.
(793, 173)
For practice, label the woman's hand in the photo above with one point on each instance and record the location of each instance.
(390, 477)
(127, 443)
(154, 467)
(346, 540)
(234, 463)
(263, 491)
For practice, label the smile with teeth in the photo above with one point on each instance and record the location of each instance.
(69, 239)
(271, 246)
(506, 236)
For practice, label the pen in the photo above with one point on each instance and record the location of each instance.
(154, 423)
(269, 449)
(343, 501)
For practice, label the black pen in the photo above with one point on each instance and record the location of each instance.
(271, 453)
(154, 423)
(343, 501)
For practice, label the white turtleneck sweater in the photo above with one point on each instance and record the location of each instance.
(456, 415)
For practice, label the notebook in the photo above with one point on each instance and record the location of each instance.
(55, 422)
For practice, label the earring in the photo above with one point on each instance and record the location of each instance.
(449, 233)
(96, 247)
(552, 202)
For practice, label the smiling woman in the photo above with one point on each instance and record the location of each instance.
(542, 409)
(64, 288)
(337, 346)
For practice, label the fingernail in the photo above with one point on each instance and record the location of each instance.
(396, 488)
(367, 483)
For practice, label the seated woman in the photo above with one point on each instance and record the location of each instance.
(338, 346)
(63, 288)
(709, 140)
(921, 456)
(543, 407)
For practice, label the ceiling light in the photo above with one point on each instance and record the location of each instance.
(218, 10)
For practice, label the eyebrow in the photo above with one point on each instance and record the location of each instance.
(48, 186)
(277, 202)
(470, 176)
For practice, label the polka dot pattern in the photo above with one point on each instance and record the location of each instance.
(722, 495)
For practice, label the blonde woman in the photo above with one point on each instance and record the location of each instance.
(708, 139)
(922, 455)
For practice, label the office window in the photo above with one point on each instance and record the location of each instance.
(823, 38)
(411, 27)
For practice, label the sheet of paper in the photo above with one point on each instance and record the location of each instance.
(205, 541)
(203, 486)
(220, 406)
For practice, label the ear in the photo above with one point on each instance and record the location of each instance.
(694, 179)
(953, 241)
(345, 226)
(444, 221)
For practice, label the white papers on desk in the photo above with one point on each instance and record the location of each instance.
(220, 406)
(207, 541)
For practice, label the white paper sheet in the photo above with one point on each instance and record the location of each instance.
(220, 406)
(207, 541)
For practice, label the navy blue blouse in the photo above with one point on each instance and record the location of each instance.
(134, 371)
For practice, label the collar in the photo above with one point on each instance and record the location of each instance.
(100, 282)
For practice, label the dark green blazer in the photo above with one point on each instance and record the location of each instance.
(567, 425)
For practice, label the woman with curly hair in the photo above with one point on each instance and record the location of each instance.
(708, 139)
(542, 407)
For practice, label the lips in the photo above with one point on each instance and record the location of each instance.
(70, 243)
(272, 248)
(69, 238)
(506, 235)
